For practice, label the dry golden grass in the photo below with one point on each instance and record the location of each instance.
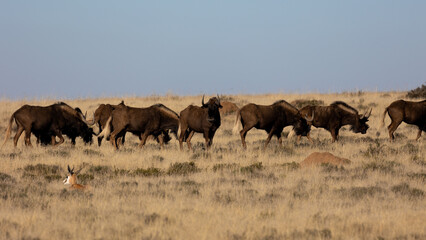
(225, 193)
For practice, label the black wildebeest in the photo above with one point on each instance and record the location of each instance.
(271, 118)
(102, 113)
(335, 116)
(204, 119)
(155, 120)
(50, 121)
(408, 112)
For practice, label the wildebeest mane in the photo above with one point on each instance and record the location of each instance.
(286, 105)
(67, 108)
(344, 106)
(166, 110)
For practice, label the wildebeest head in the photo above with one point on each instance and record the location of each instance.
(349, 115)
(86, 134)
(302, 124)
(76, 124)
(213, 106)
(362, 125)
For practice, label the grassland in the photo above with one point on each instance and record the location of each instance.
(224, 193)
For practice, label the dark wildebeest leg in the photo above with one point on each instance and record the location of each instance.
(268, 139)
(334, 132)
(243, 134)
(144, 136)
(392, 127)
(61, 138)
(183, 129)
(17, 135)
(161, 140)
(188, 139)
(100, 141)
(279, 137)
(309, 137)
(53, 140)
(208, 137)
(28, 137)
(119, 138)
(123, 138)
(419, 134)
(113, 137)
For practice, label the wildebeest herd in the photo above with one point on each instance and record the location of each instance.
(158, 121)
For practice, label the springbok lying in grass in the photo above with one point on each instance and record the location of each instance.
(72, 179)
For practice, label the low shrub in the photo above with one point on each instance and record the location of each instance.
(184, 168)
(419, 92)
(149, 172)
(404, 189)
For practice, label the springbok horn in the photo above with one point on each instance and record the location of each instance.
(218, 98)
(202, 101)
(69, 169)
(77, 172)
(311, 118)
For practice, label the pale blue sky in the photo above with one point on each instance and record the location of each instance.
(72, 49)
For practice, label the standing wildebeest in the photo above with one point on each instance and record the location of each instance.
(50, 121)
(335, 116)
(204, 119)
(102, 113)
(155, 120)
(272, 118)
(408, 112)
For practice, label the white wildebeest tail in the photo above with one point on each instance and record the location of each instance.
(291, 133)
(8, 130)
(237, 126)
(107, 130)
(179, 129)
(383, 118)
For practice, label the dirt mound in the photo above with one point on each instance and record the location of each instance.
(419, 92)
(318, 158)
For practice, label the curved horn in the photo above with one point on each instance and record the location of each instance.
(83, 118)
(69, 169)
(311, 118)
(218, 98)
(202, 101)
(366, 114)
(369, 113)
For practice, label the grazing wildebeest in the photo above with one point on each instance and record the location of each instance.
(102, 113)
(335, 116)
(155, 120)
(271, 118)
(204, 119)
(50, 121)
(405, 111)
(227, 108)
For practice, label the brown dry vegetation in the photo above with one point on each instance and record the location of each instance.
(225, 193)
